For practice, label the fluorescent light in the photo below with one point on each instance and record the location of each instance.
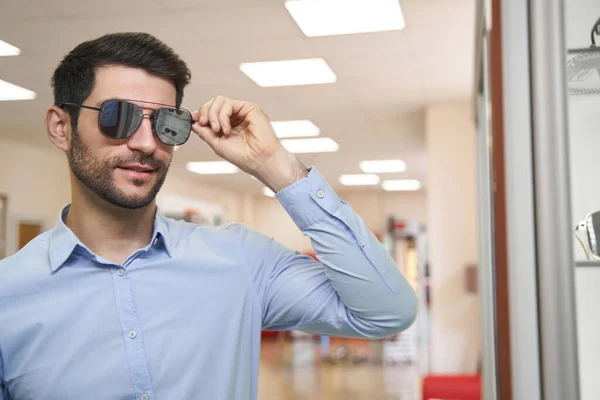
(268, 192)
(359, 180)
(339, 17)
(299, 128)
(401, 185)
(382, 166)
(212, 167)
(316, 145)
(8, 49)
(310, 71)
(9, 92)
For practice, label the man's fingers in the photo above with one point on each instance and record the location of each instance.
(225, 117)
(206, 133)
(213, 113)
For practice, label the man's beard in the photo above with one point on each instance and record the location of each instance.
(98, 175)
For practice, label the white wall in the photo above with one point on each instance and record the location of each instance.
(374, 207)
(452, 229)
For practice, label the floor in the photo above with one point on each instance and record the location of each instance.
(292, 370)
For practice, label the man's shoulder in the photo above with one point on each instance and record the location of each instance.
(29, 263)
(192, 231)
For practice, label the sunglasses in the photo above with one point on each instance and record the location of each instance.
(119, 119)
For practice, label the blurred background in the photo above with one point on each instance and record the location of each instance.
(421, 114)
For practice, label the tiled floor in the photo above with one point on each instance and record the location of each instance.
(290, 372)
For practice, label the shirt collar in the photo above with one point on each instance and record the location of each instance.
(63, 241)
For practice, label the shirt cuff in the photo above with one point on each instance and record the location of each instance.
(309, 200)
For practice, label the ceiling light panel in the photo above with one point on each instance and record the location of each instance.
(312, 71)
(313, 145)
(382, 166)
(7, 49)
(359, 180)
(340, 17)
(212, 167)
(295, 129)
(9, 92)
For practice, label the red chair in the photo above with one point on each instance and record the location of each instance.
(452, 387)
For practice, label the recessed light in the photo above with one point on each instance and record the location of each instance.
(268, 192)
(339, 17)
(7, 49)
(298, 128)
(310, 71)
(359, 180)
(401, 185)
(9, 92)
(315, 145)
(382, 166)
(212, 167)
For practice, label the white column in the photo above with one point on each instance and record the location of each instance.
(452, 230)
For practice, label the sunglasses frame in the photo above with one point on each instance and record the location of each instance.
(131, 101)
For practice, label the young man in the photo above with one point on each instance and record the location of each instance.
(119, 302)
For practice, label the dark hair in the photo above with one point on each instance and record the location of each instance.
(74, 78)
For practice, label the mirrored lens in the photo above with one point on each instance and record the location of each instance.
(119, 119)
(172, 126)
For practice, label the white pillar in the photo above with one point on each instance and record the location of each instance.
(452, 231)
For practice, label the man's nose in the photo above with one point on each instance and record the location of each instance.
(143, 139)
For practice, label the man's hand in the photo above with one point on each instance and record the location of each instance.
(241, 133)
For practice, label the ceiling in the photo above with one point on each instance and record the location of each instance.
(375, 110)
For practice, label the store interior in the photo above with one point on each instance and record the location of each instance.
(396, 138)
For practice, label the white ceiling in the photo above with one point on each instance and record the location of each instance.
(374, 110)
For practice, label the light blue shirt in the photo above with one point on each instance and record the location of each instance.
(181, 318)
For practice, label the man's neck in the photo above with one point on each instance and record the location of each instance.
(110, 231)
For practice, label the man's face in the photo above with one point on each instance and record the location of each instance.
(107, 166)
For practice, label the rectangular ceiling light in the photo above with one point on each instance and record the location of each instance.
(315, 145)
(295, 129)
(359, 180)
(311, 71)
(401, 185)
(9, 92)
(212, 167)
(340, 17)
(382, 166)
(7, 49)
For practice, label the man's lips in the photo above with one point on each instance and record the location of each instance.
(137, 171)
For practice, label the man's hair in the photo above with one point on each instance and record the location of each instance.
(74, 78)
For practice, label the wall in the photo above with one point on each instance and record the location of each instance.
(373, 207)
(452, 229)
(36, 183)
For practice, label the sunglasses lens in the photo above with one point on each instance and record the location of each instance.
(119, 119)
(172, 126)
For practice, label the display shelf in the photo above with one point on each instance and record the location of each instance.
(587, 263)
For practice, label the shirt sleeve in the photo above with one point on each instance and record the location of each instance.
(354, 290)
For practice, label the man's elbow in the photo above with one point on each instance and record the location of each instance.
(394, 320)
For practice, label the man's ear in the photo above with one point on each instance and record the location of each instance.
(57, 126)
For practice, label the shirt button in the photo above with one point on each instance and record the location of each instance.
(155, 241)
(145, 397)
(320, 193)
(362, 243)
(132, 334)
(121, 272)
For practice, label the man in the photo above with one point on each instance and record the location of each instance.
(119, 302)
